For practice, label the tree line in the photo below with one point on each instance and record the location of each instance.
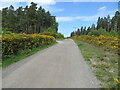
(104, 25)
(30, 19)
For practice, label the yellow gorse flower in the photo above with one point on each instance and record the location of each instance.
(116, 80)
(106, 41)
(12, 43)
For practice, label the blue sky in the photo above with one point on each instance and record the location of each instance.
(71, 15)
(75, 15)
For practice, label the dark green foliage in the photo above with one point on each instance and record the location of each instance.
(55, 35)
(94, 32)
(28, 20)
(52, 29)
(12, 43)
(105, 26)
(113, 33)
(93, 26)
(7, 32)
(102, 31)
(115, 22)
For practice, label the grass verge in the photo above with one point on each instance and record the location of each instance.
(60, 39)
(23, 54)
(104, 64)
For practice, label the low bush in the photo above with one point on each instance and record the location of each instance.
(56, 35)
(13, 43)
(104, 41)
(102, 31)
(94, 32)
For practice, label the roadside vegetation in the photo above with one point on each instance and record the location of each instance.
(106, 42)
(29, 29)
(23, 54)
(29, 19)
(100, 48)
(14, 44)
(18, 46)
(25, 31)
(0, 50)
(55, 35)
(105, 26)
(103, 63)
(60, 39)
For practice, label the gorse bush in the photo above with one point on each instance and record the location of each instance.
(13, 43)
(7, 32)
(105, 41)
(55, 35)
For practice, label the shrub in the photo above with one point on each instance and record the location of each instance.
(105, 41)
(94, 32)
(56, 35)
(51, 29)
(12, 43)
(102, 31)
(113, 33)
(7, 32)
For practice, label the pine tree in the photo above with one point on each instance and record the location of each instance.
(28, 20)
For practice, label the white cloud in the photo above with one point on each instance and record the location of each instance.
(102, 8)
(86, 0)
(7, 4)
(102, 12)
(15, 3)
(46, 4)
(59, 19)
(52, 9)
(58, 10)
(87, 18)
(55, 9)
(42, 2)
(82, 18)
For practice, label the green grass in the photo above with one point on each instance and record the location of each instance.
(60, 39)
(23, 54)
(104, 64)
